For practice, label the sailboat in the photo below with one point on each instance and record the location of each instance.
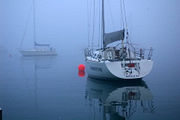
(39, 49)
(117, 61)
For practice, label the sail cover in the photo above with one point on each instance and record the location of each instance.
(113, 36)
(37, 44)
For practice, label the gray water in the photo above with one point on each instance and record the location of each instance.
(49, 88)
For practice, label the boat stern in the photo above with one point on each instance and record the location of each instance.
(130, 69)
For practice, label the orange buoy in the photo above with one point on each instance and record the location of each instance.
(81, 73)
(81, 67)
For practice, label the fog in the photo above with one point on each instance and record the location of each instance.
(60, 23)
(63, 23)
(44, 87)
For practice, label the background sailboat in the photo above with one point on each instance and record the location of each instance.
(39, 49)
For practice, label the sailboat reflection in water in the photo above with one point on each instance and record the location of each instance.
(34, 70)
(118, 100)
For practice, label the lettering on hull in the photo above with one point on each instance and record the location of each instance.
(96, 69)
(131, 69)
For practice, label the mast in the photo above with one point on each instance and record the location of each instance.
(34, 22)
(103, 24)
(125, 22)
(121, 2)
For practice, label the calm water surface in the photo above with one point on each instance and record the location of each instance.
(49, 88)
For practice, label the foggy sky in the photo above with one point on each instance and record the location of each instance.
(63, 23)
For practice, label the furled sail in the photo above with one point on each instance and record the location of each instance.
(37, 44)
(112, 37)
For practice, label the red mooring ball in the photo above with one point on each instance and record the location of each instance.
(81, 67)
(81, 73)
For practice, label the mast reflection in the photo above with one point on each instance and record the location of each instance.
(118, 100)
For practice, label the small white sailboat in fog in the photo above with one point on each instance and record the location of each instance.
(38, 49)
(122, 60)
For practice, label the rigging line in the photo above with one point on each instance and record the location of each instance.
(96, 24)
(99, 39)
(125, 20)
(111, 16)
(103, 24)
(128, 40)
(90, 20)
(127, 32)
(125, 14)
(88, 17)
(121, 10)
(34, 21)
(93, 33)
(96, 37)
(26, 26)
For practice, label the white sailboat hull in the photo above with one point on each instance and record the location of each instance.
(118, 69)
(38, 53)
